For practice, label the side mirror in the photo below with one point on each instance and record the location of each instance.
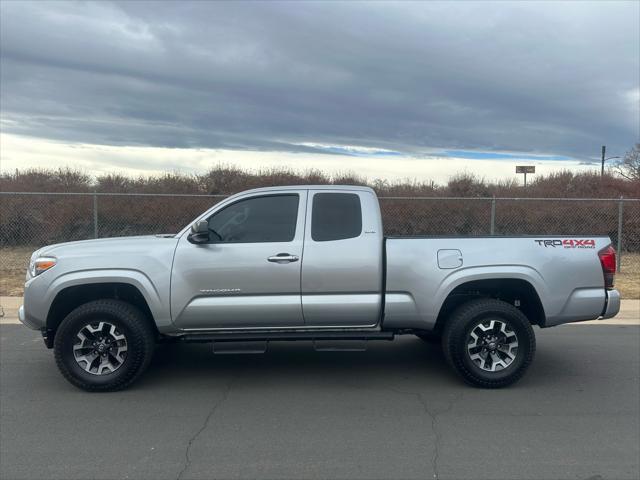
(199, 232)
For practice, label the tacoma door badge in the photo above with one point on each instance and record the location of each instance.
(217, 291)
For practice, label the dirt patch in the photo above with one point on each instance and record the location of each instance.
(13, 268)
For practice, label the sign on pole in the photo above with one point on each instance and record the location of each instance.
(525, 169)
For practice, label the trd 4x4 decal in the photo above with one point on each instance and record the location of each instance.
(567, 243)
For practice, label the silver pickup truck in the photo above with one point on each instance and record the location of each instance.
(309, 263)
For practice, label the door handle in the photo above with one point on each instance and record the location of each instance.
(283, 258)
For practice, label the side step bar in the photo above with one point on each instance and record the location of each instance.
(284, 336)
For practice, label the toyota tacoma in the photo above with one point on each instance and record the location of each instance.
(310, 263)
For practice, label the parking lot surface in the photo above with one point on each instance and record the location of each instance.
(394, 411)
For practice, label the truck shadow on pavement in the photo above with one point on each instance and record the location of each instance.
(290, 362)
(565, 356)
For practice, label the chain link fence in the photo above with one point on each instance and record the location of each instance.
(31, 219)
(617, 218)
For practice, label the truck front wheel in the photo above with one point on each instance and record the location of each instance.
(104, 345)
(490, 343)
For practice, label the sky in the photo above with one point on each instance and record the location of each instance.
(387, 90)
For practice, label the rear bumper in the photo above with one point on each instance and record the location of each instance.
(612, 305)
(586, 304)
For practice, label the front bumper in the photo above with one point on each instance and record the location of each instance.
(23, 318)
(47, 334)
(26, 320)
(612, 305)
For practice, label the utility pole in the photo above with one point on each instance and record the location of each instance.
(604, 149)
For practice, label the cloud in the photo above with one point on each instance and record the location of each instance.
(19, 152)
(536, 78)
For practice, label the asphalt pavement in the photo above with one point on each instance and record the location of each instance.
(394, 411)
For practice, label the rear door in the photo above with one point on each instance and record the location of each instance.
(248, 276)
(343, 266)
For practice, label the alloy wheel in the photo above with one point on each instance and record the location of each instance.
(492, 345)
(100, 348)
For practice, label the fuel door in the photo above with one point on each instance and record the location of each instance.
(449, 258)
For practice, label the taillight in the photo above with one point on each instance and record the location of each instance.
(608, 261)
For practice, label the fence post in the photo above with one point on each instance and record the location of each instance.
(493, 215)
(95, 215)
(619, 246)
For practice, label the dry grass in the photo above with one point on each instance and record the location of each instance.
(628, 279)
(14, 260)
(13, 268)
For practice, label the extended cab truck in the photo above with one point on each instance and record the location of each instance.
(309, 263)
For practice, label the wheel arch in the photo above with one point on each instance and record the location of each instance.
(71, 297)
(515, 291)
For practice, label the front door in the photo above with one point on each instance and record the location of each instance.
(248, 275)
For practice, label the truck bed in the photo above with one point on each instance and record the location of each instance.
(564, 271)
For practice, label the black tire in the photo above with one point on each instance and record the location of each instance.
(129, 321)
(457, 334)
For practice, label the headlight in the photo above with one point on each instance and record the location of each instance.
(41, 264)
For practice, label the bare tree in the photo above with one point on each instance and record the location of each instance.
(629, 166)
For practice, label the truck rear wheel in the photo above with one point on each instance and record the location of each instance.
(488, 342)
(104, 345)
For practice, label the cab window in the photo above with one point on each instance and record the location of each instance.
(269, 218)
(336, 216)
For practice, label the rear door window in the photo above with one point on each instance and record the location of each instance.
(336, 216)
